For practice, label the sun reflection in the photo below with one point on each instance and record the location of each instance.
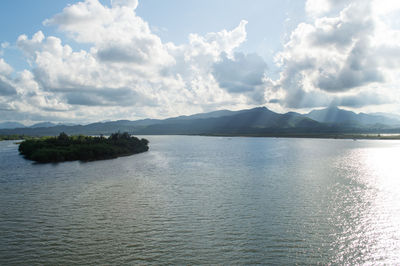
(366, 204)
(381, 221)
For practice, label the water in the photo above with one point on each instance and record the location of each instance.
(206, 200)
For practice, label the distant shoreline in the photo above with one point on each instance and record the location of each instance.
(300, 136)
(314, 136)
(359, 136)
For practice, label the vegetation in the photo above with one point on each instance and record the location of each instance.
(253, 122)
(84, 148)
(14, 137)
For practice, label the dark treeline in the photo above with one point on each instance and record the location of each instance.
(14, 137)
(84, 148)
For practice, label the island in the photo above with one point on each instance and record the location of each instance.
(83, 148)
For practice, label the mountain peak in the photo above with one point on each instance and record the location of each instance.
(333, 114)
(260, 108)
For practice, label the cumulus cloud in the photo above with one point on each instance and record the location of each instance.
(5, 69)
(29, 47)
(117, 33)
(109, 97)
(127, 72)
(337, 58)
(240, 74)
(128, 3)
(315, 8)
(359, 68)
(6, 88)
(360, 99)
(244, 73)
(346, 53)
(301, 99)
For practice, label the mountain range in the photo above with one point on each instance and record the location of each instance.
(256, 121)
(339, 116)
(14, 125)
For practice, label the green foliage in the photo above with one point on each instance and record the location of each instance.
(14, 137)
(84, 148)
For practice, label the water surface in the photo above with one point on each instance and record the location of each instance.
(200, 200)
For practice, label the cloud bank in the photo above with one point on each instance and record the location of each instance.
(340, 58)
(346, 54)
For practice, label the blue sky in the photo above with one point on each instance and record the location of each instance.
(268, 21)
(90, 60)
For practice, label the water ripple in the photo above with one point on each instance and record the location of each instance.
(203, 200)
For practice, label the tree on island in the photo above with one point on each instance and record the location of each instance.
(83, 148)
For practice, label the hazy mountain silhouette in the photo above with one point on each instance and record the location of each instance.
(252, 121)
(339, 116)
(9, 125)
(387, 115)
(256, 121)
(43, 124)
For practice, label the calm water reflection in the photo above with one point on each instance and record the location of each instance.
(192, 200)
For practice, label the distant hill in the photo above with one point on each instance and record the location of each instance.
(335, 115)
(8, 125)
(43, 124)
(256, 121)
(213, 114)
(386, 115)
(16, 125)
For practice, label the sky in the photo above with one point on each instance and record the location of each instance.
(95, 60)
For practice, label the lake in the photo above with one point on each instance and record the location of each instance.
(206, 200)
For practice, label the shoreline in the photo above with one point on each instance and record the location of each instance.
(353, 136)
(313, 136)
(300, 136)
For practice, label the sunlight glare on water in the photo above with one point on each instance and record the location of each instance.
(369, 212)
(206, 200)
(384, 214)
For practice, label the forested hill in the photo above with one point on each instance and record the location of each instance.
(256, 121)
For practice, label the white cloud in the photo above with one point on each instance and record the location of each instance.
(317, 7)
(346, 57)
(117, 34)
(346, 53)
(127, 3)
(128, 72)
(243, 74)
(29, 47)
(5, 69)
(385, 7)
(5, 45)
